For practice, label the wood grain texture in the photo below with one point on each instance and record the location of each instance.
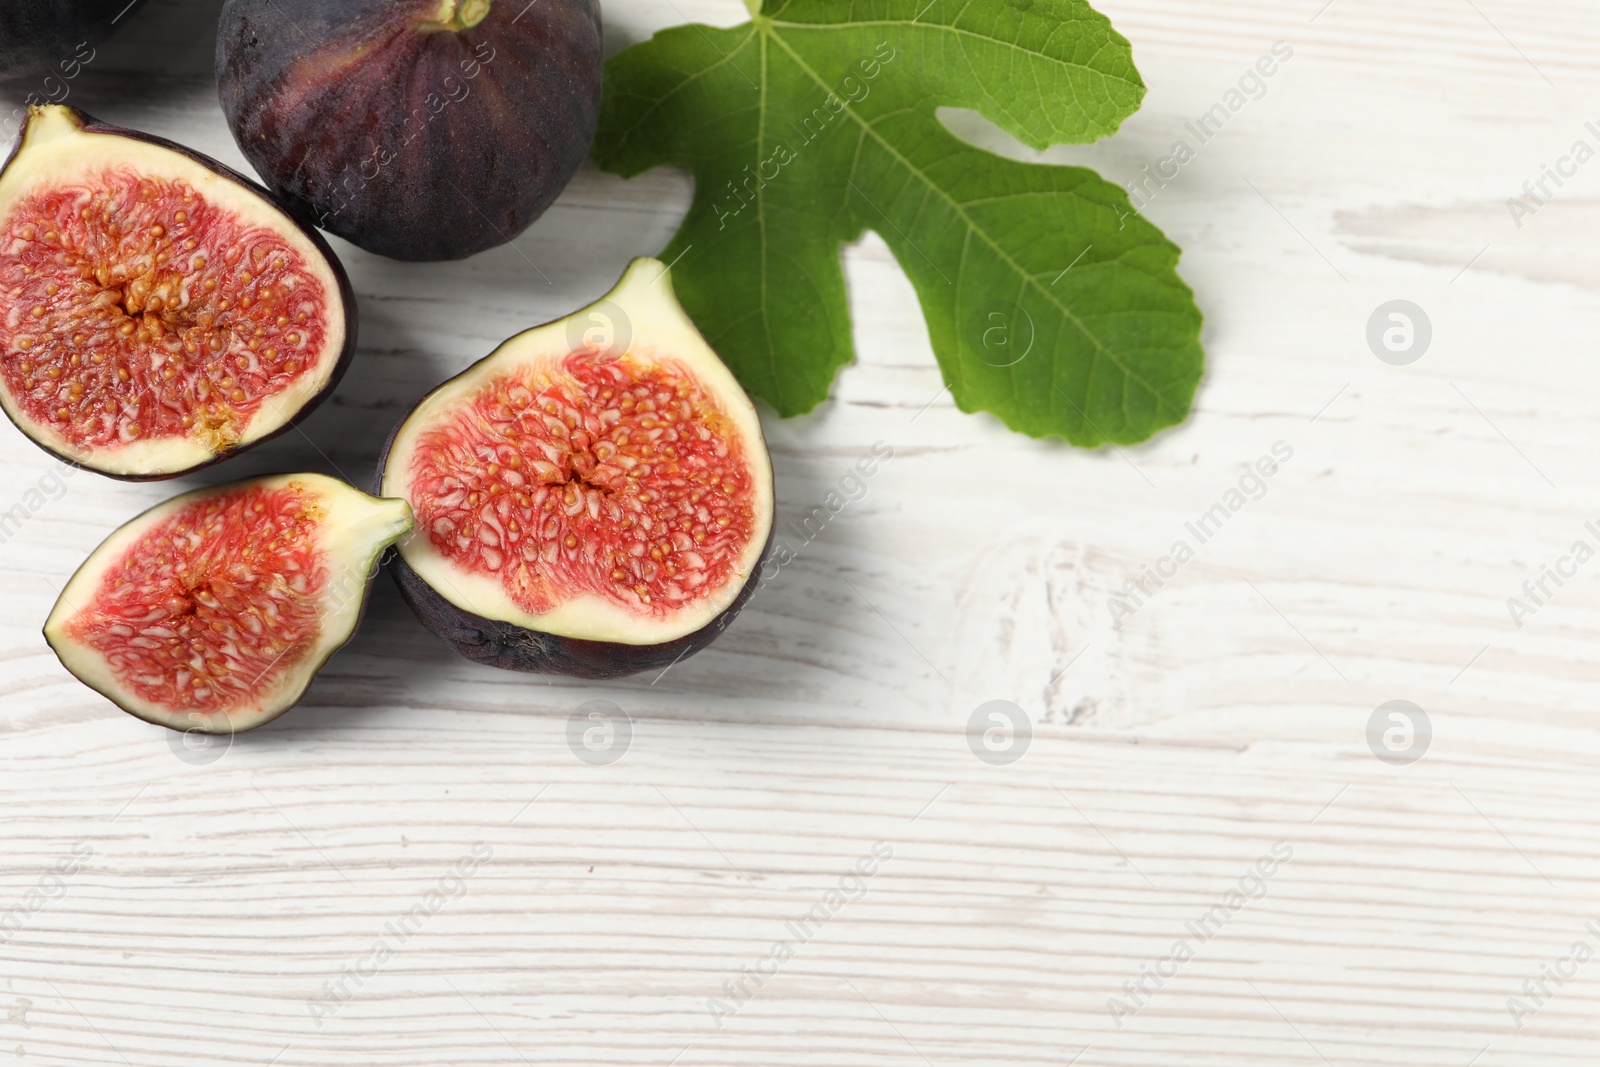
(222, 897)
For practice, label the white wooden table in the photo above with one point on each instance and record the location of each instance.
(223, 907)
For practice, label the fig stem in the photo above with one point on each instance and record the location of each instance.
(458, 15)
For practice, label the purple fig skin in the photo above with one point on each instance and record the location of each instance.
(517, 648)
(410, 139)
(42, 35)
(346, 297)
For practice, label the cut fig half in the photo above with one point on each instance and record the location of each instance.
(213, 611)
(158, 312)
(592, 498)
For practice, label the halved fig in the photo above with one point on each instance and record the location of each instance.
(213, 611)
(158, 312)
(592, 498)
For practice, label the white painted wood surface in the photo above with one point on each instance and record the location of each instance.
(1227, 716)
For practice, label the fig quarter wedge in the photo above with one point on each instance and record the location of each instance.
(213, 611)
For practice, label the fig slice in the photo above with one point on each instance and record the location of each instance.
(158, 312)
(592, 498)
(213, 611)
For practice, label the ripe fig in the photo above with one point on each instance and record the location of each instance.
(213, 611)
(417, 129)
(39, 35)
(157, 311)
(592, 498)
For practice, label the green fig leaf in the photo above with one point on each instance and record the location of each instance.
(1049, 301)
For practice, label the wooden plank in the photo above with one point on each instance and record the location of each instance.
(225, 898)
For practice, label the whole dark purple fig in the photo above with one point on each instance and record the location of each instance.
(56, 35)
(417, 129)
